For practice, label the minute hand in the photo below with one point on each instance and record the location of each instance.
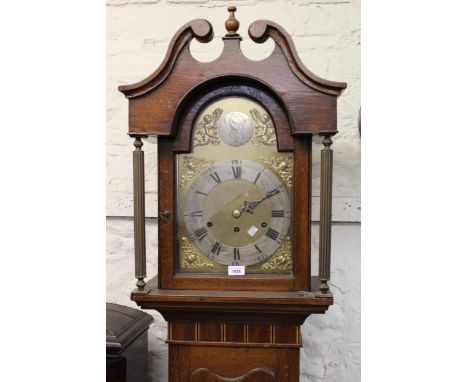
(250, 206)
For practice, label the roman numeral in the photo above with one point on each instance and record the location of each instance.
(201, 233)
(258, 249)
(201, 193)
(277, 214)
(272, 234)
(236, 169)
(216, 249)
(236, 254)
(258, 176)
(216, 177)
(196, 214)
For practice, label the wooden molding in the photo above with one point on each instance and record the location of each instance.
(261, 30)
(290, 308)
(199, 29)
(154, 102)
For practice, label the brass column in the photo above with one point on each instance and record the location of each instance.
(326, 173)
(139, 211)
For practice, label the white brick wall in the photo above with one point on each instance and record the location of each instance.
(327, 37)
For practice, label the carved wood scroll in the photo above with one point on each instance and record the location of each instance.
(309, 100)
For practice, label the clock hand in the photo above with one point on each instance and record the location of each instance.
(269, 194)
(250, 206)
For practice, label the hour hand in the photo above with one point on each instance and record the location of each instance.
(248, 207)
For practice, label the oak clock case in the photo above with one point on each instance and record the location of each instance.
(234, 172)
(234, 192)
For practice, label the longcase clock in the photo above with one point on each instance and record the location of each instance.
(234, 202)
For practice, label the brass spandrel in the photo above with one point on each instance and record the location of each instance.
(283, 166)
(264, 129)
(192, 259)
(280, 262)
(207, 131)
(190, 167)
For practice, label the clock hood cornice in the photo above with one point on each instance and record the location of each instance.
(155, 101)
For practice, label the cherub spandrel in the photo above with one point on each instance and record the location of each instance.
(206, 130)
(264, 130)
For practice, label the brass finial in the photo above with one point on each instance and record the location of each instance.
(232, 24)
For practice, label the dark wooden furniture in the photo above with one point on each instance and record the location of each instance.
(222, 328)
(126, 343)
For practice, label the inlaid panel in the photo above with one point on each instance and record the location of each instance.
(286, 334)
(234, 333)
(183, 331)
(208, 331)
(259, 333)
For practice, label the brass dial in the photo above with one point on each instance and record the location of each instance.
(237, 212)
(218, 229)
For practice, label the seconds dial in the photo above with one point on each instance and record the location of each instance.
(237, 212)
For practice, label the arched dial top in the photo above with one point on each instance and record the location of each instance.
(237, 212)
(234, 192)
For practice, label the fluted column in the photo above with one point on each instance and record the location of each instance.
(139, 212)
(326, 174)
